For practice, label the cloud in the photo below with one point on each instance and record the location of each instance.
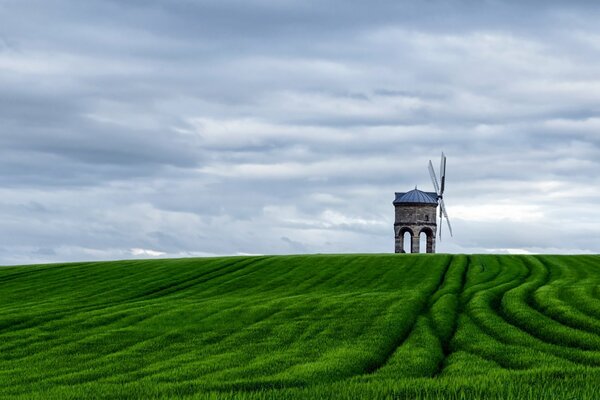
(142, 129)
(147, 252)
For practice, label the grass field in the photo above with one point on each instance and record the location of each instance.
(320, 326)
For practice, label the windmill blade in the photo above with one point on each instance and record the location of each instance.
(442, 173)
(443, 164)
(440, 234)
(434, 178)
(443, 210)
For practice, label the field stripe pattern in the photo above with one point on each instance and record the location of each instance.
(347, 326)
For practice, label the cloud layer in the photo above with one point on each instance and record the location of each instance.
(176, 128)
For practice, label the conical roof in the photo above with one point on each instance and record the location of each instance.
(416, 196)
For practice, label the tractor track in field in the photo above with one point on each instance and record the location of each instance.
(493, 304)
(446, 342)
(426, 312)
(255, 324)
(564, 336)
(524, 337)
(584, 323)
(399, 340)
(581, 297)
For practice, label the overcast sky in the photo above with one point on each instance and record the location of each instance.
(148, 128)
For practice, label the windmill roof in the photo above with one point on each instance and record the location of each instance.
(416, 196)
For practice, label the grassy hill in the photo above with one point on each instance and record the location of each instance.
(321, 326)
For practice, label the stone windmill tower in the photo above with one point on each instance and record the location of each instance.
(416, 214)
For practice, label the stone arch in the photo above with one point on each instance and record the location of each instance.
(422, 237)
(401, 234)
(430, 239)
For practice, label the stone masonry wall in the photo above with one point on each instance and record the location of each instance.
(415, 218)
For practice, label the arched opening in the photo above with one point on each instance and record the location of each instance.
(423, 240)
(427, 239)
(405, 240)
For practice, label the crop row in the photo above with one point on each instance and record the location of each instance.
(292, 325)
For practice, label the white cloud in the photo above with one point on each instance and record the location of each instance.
(147, 252)
(289, 129)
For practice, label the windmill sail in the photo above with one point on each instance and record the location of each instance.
(439, 189)
(434, 178)
(443, 211)
(443, 173)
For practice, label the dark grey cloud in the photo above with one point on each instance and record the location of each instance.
(181, 128)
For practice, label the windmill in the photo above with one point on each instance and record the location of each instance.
(439, 189)
(415, 214)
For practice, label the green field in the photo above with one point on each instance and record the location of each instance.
(319, 326)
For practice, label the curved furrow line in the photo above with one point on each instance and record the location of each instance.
(574, 276)
(357, 353)
(465, 360)
(325, 328)
(547, 300)
(419, 355)
(446, 306)
(580, 294)
(481, 273)
(482, 308)
(399, 339)
(395, 340)
(581, 299)
(516, 308)
(485, 273)
(397, 307)
(481, 316)
(485, 311)
(510, 356)
(381, 325)
(503, 332)
(453, 280)
(592, 263)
